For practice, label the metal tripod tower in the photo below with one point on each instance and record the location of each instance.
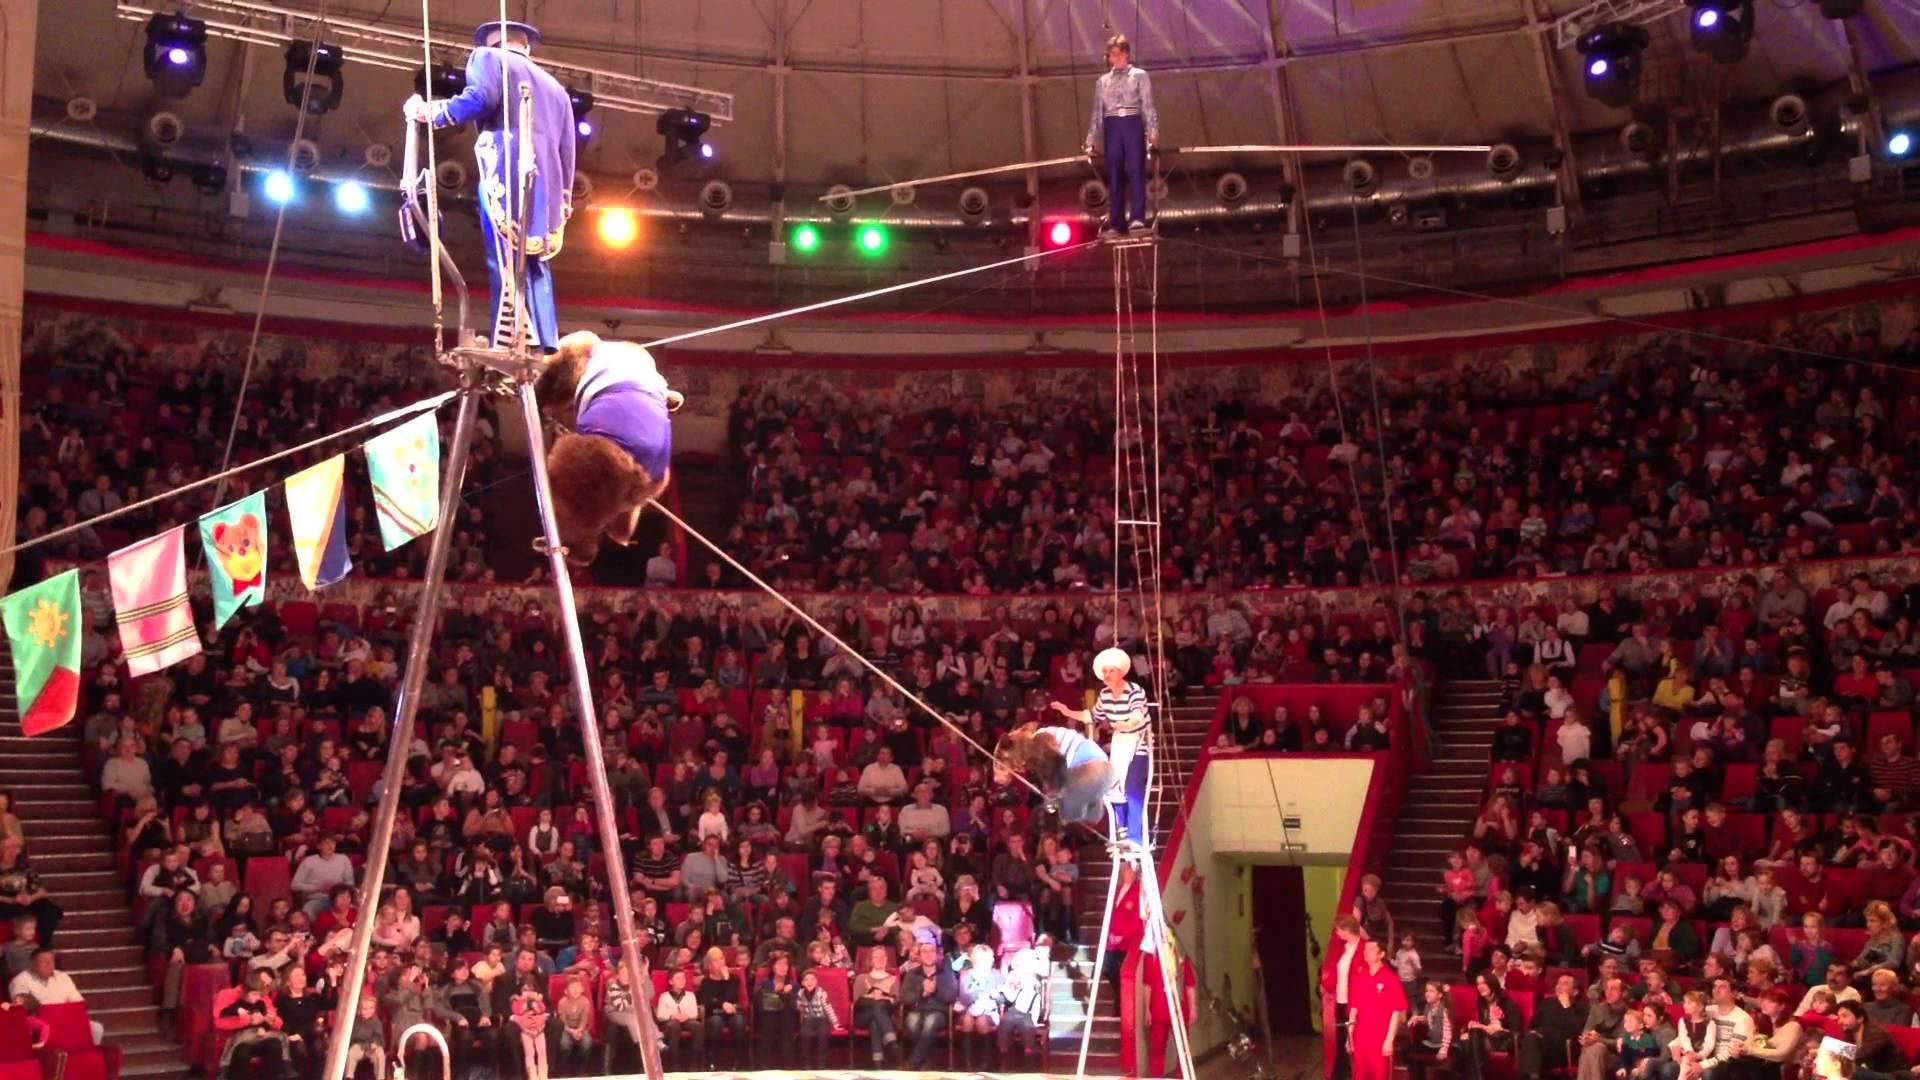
(1136, 494)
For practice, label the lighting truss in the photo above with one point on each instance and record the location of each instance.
(1568, 28)
(389, 47)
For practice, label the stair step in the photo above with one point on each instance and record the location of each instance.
(68, 882)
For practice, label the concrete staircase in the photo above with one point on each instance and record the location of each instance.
(1437, 812)
(1073, 965)
(73, 850)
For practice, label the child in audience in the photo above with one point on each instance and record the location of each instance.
(529, 1011)
(1406, 965)
(817, 1019)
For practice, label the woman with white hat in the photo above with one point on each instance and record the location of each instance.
(1122, 707)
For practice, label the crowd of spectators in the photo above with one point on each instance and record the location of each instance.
(1648, 456)
(874, 864)
(1693, 854)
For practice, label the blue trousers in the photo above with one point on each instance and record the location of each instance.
(1126, 145)
(1131, 814)
(536, 292)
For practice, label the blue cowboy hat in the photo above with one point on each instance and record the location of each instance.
(480, 32)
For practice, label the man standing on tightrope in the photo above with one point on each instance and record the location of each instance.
(1122, 708)
(496, 70)
(1126, 124)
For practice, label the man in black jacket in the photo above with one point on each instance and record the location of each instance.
(1552, 1041)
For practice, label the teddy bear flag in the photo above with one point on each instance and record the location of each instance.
(616, 455)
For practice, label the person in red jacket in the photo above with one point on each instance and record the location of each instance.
(1122, 962)
(1376, 1007)
(1337, 972)
(252, 1025)
(1159, 1017)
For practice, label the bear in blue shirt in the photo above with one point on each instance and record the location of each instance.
(617, 454)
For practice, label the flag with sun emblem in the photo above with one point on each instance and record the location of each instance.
(43, 631)
(404, 465)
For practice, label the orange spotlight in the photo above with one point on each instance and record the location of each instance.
(618, 228)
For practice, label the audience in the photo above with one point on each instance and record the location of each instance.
(1677, 724)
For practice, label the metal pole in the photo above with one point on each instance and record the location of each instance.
(1100, 946)
(641, 1026)
(419, 645)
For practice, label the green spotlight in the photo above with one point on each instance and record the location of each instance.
(871, 241)
(806, 239)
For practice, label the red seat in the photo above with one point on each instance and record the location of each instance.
(70, 1052)
(193, 1020)
(268, 879)
(18, 1059)
(1888, 723)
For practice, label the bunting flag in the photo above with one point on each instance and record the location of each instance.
(234, 539)
(43, 632)
(149, 585)
(404, 465)
(319, 518)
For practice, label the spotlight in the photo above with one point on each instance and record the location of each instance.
(582, 105)
(329, 82)
(447, 80)
(1613, 62)
(1059, 233)
(804, 239)
(280, 186)
(351, 197)
(683, 130)
(1721, 28)
(156, 168)
(870, 241)
(176, 54)
(1899, 144)
(618, 228)
(210, 177)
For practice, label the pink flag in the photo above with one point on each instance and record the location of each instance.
(149, 584)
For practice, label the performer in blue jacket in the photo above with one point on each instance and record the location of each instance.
(496, 70)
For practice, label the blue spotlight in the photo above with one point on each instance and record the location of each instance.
(351, 197)
(1899, 144)
(706, 150)
(279, 186)
(1599, 67)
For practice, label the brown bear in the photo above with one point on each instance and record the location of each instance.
(615, 457)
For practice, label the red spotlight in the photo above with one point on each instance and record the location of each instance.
(1060, 233)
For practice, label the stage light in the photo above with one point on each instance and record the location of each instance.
(805, 239)
(1900, 144)
(1721, 28)
(329, 81)
(351, 197)
(1059, 233)
(448, 81)
(871, 241)
(1612, 69)
(175, 59)
(683, 130)
(582, 101)
(618, 228)
(280, 186)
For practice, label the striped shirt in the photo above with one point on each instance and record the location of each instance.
(1125, 710)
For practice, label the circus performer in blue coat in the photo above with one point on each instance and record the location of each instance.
(499, 66)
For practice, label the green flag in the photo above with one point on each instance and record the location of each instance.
(404, 466)
(43, 631)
